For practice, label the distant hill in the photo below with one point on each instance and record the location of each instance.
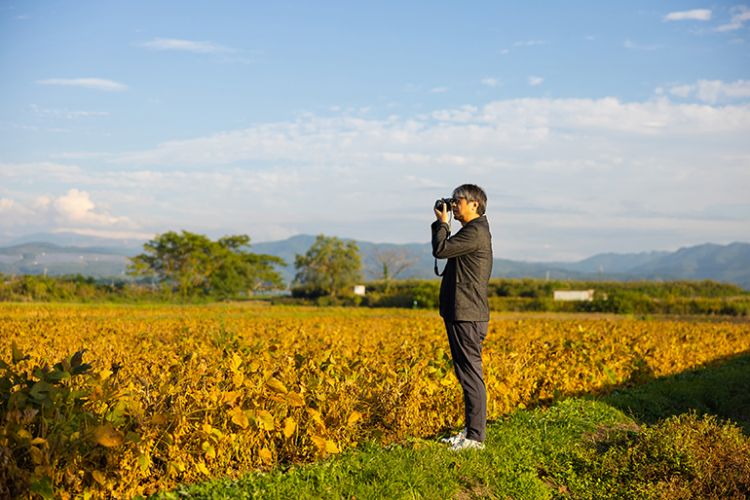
(613, 263)
(51, 259)
(78, 240)
(709, 261)
(104, 258)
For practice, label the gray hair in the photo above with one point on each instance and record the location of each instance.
(472, 192)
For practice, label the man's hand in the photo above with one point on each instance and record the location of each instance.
(443, 216)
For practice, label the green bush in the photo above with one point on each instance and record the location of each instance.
(680, 457)
(427, 295)
(404, 299)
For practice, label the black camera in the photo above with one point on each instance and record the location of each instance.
(444, 202)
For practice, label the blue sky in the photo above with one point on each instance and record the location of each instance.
(593, 126)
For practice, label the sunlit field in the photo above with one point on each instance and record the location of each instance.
(181, 394)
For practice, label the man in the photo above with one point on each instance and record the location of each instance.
(463, 302)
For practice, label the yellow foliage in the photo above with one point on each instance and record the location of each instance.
(239, 417)
(354, 417)
(201, 466)
(295, 399)
(99, 477)
(230, 397)
(265, 420)
(217, 390)
(107, 436)
(236, 362)
(276, 385)
(289, 427)
(324, 446)
(331, 446)
(36, 455)
(265, 455)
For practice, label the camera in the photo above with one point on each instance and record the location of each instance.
(447, 202)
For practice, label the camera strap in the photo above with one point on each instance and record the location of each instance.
(436, 269)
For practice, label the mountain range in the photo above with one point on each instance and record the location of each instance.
(57, 254)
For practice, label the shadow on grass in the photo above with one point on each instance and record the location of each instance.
(721, 388)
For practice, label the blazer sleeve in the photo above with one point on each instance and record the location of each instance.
(463, 242)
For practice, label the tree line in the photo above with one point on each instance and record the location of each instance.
(191, 267)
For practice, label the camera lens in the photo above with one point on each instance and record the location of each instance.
(443, 202)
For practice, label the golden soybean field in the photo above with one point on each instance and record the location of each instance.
(188, 393)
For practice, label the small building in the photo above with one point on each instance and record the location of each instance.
(574, 295)
(359, 290)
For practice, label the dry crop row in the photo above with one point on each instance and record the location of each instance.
(184, 393)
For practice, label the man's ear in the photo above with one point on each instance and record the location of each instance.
(475, 205)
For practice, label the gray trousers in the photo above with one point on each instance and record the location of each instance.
(465, 339)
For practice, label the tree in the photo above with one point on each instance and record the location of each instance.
(390, 263)
(193, 264)
(330, 267)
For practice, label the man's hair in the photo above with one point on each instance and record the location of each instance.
(472, 192)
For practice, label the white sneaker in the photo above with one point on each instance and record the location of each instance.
(467, 444)
(454, 439)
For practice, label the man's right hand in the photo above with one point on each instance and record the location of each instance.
(444, 215)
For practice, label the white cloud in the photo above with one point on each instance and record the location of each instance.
(490, 82)
(515, 124)
(587, 175)
(42, 202)
(21, 126)
(689, 15)
(77, 207)
(222, 53)
(7, 207)
(463, 114)
(535, 81)
(713, 91)
(66, 113)
(53, 171)
(75, 204)
(203, 47)
(529, 43)
(439, 90)
(681, 90)
(740, 15)
(629, 44)
(13, 213)
(88, 83)
(81, 155)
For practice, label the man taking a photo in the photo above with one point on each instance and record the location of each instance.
(463, 301)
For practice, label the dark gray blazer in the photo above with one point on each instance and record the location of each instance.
(463, 291)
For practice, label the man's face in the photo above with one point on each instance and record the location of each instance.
(463, 209)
